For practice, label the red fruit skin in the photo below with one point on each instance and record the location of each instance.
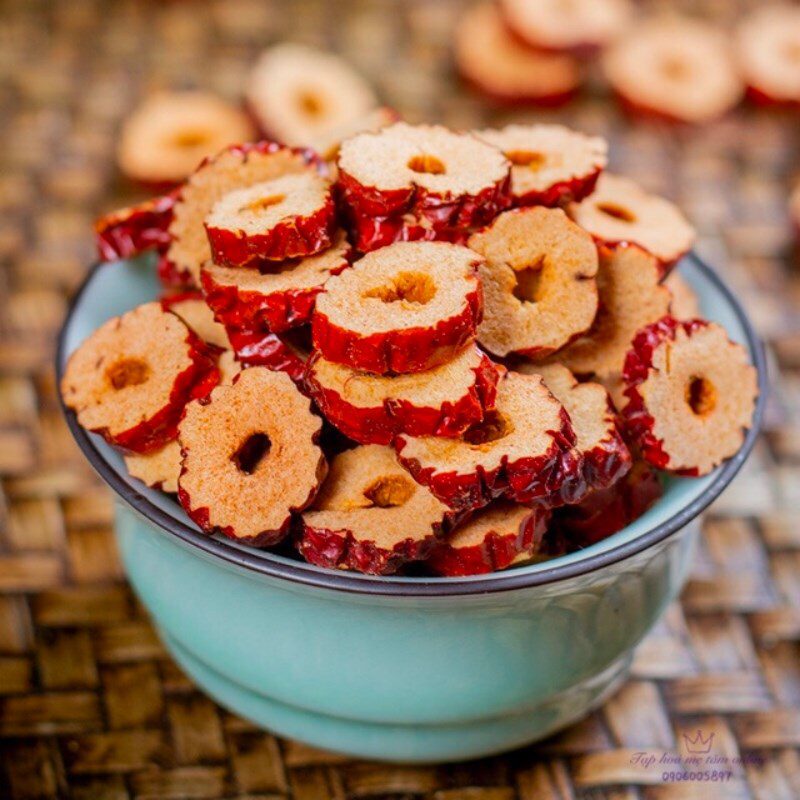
(561, 193)
(172, 278)
(294, 238)
(606, 511)
(639, 423)
(496, 552)
(339, 548)
(371, 233)
(267, 350)
(608, 461)
(194, 383)
(381, 424)
(759, 97)
(399, 351)
(133, 230)
(255, 312)
(539, 479)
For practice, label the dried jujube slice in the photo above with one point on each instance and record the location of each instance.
(684, 303)
(172, 132)
(451, 179)
(443, 401)
(538, 281)
(289, 217)
(404, 308)
(630, 298)
(127, 232)
(768, 43)
(275, 297)
(492, 60)
(250, 458)
(235, 167)
(130, 380)
(521, 450)
(675, 68)
(328, 142)
(620, 211)
(691, 394)
(370, 515)
(606, 511)
(495, 538)
(300, 95)
(194, 311)
(159, 469)
(578, 26)
(604, 456)
(550, 164)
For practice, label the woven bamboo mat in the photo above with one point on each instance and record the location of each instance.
(90, 705)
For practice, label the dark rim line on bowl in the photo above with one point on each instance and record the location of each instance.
(299, 572)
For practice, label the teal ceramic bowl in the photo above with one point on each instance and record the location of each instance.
(400, 668)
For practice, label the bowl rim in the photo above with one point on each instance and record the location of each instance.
(264, 563)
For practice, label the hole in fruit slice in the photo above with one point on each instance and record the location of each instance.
(127, 372)
(675, 69)
(791, 52)
(263, 203)
(412, 287)
(527, 158)
(310, 103)
(429, 165)
(389, 491)
(253, 450)
(701, 396)
(494, 426)
(189, 140)
(529, 283)
(616, 211)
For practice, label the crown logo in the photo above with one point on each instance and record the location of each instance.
(698, 745)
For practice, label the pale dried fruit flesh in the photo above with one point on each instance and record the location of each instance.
(159, 469)
(404, 308)
(302, 96)
(130, 231)
(494, 538)
(274, 298)
(577, 26)
(685, 303)
(538, 278)
(370, 516)
(236, 167)
(505, 71)
(691, 393)
(551, 165)
(676, 69)
(170, 133)
(768, 54)
(289, 217)
(521, 450)
(619, 211)
(194, 311)
(250, 458)
(443, 401)
(131, 379)
(630, 298)
(328, 142)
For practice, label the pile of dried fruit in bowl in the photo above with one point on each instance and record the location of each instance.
(467, 351)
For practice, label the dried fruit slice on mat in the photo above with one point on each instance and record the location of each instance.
(538, 281)
(606, 511)
(299, 94)
(579, 26)
(451, 179)
(685, 303)
(620, 211)
(250, 457)
(443, 401)
(630, 298)
(517, 451)
(550, 164)
(276, 297)
(768, 44)
(495, 538)
(603, 454)
(675, 68)
(370, 515)
(172, 132)
(235, 167)
(159, 469)
(130, 380)
(130, 231)
(404, 308)
(289, 217)
(194, 311)
(492, 60)
(691, 394)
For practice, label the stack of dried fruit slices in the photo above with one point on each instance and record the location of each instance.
(466, 352)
